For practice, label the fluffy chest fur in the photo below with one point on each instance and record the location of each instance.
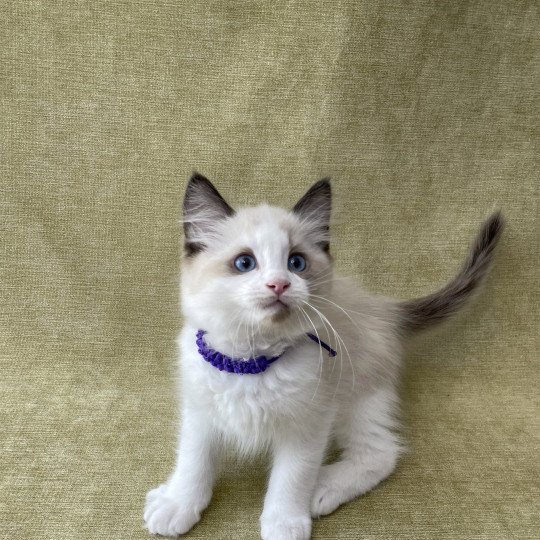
(249, 409)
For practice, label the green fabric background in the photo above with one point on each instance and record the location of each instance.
(424, 114)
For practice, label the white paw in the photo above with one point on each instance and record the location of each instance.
(325, 500)
(285, 528)
(170, 516)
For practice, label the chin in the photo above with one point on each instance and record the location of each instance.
(281, 314)
(281, 321)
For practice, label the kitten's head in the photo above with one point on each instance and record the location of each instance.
(253, 269)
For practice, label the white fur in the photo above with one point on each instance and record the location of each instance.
(303, 401)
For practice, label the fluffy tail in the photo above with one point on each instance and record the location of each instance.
(424, 312)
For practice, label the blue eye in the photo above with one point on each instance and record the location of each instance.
(245, 263)
(297, 263)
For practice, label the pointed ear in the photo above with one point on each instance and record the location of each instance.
(315, 208)
(203, 208)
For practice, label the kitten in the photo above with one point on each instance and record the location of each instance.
(278, 355)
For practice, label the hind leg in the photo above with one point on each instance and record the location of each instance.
(370, 452)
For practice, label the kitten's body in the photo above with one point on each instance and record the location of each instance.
(249, 410)
(307, 398)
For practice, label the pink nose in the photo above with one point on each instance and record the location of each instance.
(278, 285)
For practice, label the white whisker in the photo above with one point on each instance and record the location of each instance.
(320, 355)
(340, 340)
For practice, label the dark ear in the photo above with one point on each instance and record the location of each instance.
(315, 207)
(203, 208)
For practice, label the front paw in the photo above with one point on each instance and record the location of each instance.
(325, 500)
(168, 515)
(275, 527)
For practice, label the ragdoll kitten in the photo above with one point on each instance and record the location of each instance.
(279, 355)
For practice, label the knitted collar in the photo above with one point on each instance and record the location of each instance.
(245, 366)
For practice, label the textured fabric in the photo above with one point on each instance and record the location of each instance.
(424, 115)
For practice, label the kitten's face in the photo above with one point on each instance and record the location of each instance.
(256, 268)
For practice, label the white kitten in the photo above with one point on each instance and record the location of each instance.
(256, 281)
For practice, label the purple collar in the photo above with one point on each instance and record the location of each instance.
(239, 365)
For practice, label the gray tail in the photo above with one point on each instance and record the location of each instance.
(423, 312)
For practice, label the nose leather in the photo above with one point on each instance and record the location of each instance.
(278, 286)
